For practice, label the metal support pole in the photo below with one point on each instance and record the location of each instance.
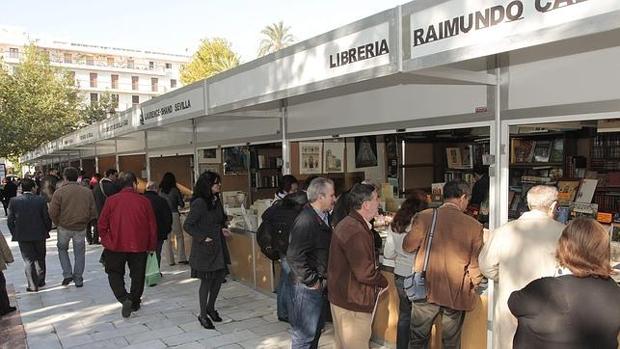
(195, 150)
(81, 162)
(118, 168)
(146, 155)
(96, 160)
(286, 144)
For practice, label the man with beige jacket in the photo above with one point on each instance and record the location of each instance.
(519, 252)
(6, 257)
(452, 275)
(71, 209)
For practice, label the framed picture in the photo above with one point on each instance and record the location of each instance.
(542, 151)
(310, 157)
(365, 151)
(567, 190)
(453, 156)
(467, 154)
(210, 156)
(333, 157)
(586, 190)
(235, 161)
(557, 150)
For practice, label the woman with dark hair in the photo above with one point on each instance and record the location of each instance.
(403, 261)
(169, 191)
(288, 185)
(580, 308)
(209, 255)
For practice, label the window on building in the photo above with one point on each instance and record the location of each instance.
(135, 81)
(94, 98)
(13, 52)
(114, 81)
(93, 79)
(110, 61)
(114, 98)
(173, 83)
(130, 63)
(135, 100)
(151, 65)
(90, 60)
(168, 65)
(154, 82)
(67, 57)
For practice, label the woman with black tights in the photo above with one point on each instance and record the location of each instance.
(209, 255)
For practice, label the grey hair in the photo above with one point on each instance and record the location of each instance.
(152, 186)
(541, 197)
(317, 187)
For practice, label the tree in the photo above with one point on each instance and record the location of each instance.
(212, 57)
(38, 103)
(97, 111)
(276, 37)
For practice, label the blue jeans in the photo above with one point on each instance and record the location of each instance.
(284, 291)
(404, 314)
(307, 318)
(79, 252)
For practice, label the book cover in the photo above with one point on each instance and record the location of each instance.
(522, 150)
(467, 153)
(567, 190)
(586, 190)
(453, 156)
(542, 151)
(557, 150)
(437, 192)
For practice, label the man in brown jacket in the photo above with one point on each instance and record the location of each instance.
(354, 279)
(71, 209)
(452, 275)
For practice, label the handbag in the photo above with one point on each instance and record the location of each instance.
(152, 275)
(415, 284)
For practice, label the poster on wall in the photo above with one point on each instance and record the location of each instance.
(333, 157)
(235, 161)
(365, 151)
(210, 156)
(310, 157)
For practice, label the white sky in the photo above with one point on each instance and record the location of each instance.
(177, 26)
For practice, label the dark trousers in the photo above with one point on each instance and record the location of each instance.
(209, 289)
(160, 244)
(4, 296)
(404, 314)
(33, 254)
(5, 204)
(422, 320)
(307, 316)
(284, 291)
(92, 234)
(115, 268)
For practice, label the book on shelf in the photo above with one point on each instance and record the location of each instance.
(536, 179)
(542, 151)
(581, 209)
(567, 190)
(586, 190)
(522, 150)
(437, 192)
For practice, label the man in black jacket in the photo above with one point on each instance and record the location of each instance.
(29, 224)
(163, 216)
(307, 255)
(105, 188)
(9, 191)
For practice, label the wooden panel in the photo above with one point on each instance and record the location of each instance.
(264, 271)
(418, 177)
(235, 182)
(386, 321)
(89, 167)
(132, 163)
(418, 153)
(106, 163)
(240, 248)
(180, 166)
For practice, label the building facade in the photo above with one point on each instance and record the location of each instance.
(130, 76)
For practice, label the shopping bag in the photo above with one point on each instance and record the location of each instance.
(152, 275)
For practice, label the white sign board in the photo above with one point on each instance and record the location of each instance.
(168, 109)
(114, 126)
(69, 141)
(355, 52)
(88, 134)
(491, 25)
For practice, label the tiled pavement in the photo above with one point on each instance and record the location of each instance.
(89, 317)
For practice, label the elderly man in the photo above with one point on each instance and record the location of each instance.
(519, 252)
(452, 273)
(307, 255)
(354, 278)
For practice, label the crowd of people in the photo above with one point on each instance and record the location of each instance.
(554, 281)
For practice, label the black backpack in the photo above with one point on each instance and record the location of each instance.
(273, 233)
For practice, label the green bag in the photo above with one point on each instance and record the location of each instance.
(152, 275)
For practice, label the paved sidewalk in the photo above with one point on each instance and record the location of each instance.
(89, 317)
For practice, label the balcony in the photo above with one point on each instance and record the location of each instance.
(96, 64)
